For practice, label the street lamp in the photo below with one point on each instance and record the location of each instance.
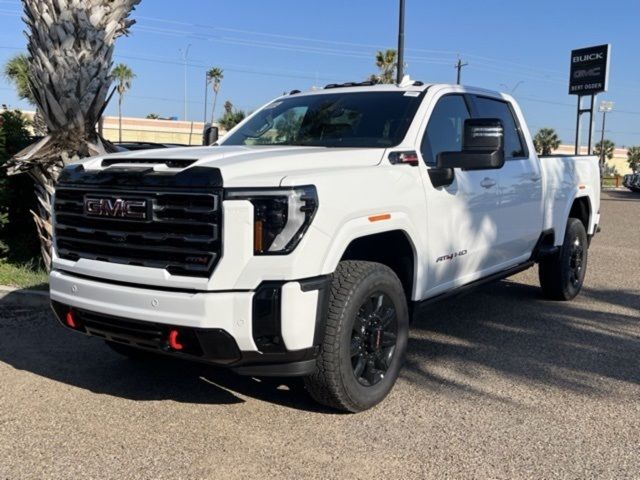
(605, 107)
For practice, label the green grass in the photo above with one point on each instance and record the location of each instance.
(25, 275)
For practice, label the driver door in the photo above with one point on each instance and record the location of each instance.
(462, 223)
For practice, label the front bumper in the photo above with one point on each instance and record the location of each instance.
(274, 330)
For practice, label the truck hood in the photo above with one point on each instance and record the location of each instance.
(256, 166)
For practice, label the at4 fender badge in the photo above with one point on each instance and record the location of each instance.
(451, 256)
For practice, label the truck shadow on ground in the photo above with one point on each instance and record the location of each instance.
(506, 327)
(32, 340)
(509, 329)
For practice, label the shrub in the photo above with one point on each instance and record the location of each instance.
(18, 237)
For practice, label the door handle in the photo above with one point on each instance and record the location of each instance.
(488, 183)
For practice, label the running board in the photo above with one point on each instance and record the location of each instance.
(477, 283)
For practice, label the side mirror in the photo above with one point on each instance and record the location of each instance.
(482, 146)
(209, 135)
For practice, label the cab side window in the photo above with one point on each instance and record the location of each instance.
(445, 129)
(513, 141)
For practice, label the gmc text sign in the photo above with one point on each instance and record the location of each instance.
(589, 70)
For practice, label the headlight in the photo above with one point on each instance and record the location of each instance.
(281, 216)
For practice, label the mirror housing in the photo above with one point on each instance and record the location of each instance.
(482, 146)
(209, 135)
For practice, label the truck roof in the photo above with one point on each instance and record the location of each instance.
(410, 86)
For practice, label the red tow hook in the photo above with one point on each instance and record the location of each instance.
(173, 340)
(70, 320)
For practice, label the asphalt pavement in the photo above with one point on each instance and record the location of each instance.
(499, 383)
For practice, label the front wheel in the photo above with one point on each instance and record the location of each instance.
(562, 275)
(365, 338)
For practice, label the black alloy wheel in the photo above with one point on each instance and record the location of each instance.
(373, 339)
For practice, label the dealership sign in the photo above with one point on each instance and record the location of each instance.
(589, 70)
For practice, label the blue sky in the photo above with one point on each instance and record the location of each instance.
(266, 48)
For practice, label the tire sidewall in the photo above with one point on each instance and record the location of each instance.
(575, 229)
(385, 282)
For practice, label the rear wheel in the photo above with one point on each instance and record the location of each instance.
(562, 275)
(365, 338)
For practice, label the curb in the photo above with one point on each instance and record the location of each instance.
(23, 297)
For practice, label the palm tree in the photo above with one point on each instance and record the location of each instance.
(16, 71)
(546, 141)
(215, 77)
(153, 116)
(633, 157)
(70, 47)
(123, 76)
(609, 148)
(387, 62)
(231, 117)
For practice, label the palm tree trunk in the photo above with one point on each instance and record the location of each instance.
(39, 125)
(213, 109)
(120, 118)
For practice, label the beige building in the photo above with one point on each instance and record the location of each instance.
(154, 131)
(148, 130)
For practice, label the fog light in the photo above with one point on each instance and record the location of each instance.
(70, 319)
(173, 340)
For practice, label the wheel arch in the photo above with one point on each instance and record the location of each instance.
(579, 208)
(393, 248)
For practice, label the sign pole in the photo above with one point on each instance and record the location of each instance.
(592, 125)
(577, 145)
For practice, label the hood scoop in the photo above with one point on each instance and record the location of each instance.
(170, 163)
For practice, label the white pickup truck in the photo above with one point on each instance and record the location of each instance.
(301, 244)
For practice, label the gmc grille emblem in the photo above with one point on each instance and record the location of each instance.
(115, 208)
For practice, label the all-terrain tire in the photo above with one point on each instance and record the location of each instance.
(354, 285)
(562, 275)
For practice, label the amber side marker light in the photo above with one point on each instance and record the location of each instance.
(378, 218)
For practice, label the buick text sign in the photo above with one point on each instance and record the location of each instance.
(589, 70)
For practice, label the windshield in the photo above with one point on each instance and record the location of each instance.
(363, 119)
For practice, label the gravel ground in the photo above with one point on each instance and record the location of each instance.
(499, 384)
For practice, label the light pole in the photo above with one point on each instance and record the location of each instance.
(185, 57)
(604, 108)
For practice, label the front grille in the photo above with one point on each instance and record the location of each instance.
(182, 231)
